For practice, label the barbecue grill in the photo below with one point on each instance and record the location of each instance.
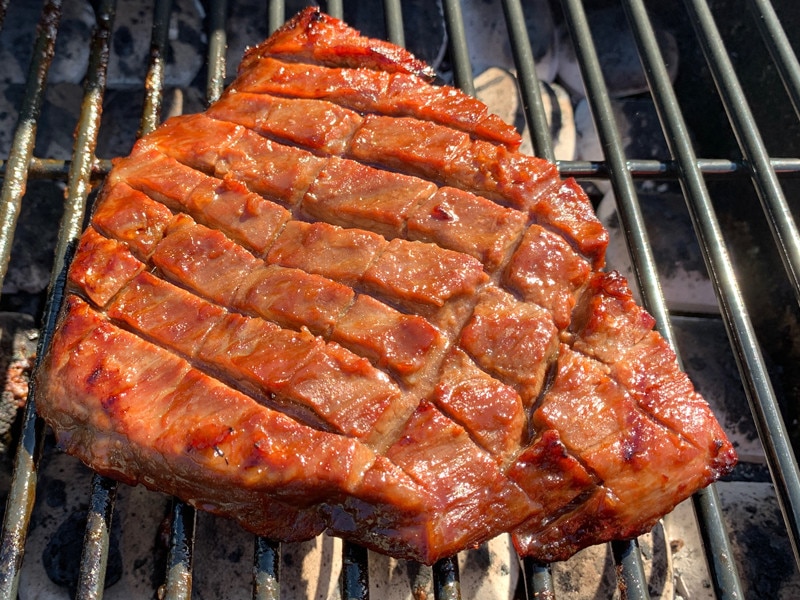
(740, 163)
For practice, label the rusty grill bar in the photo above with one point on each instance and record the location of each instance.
(756, 166)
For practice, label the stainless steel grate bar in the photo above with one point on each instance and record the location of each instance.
(336, 8)
(266, 570)
(94, 554)
(354, 580)
(719, 168)
(103, 493)
(24, 478)
(769, 190)
(459, 51)
(446, 579)
(766, 411)
(718, 550)
(178, 583)
(626, 554)
(217, 43)
(393, 10)
(779, 48)
(25, 135)
(528, 81)
(630, 214)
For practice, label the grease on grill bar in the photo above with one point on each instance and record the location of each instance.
(185, 554)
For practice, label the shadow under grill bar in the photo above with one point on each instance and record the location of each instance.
(692, 172)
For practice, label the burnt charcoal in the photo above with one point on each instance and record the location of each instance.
(62, 555)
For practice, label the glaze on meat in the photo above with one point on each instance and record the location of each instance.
(340, 299)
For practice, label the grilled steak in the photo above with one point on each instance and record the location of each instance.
(340, 299)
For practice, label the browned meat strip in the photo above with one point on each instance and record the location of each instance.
(545, 270)
(402, 343)
(354, 195)
(490, 410)
(467, 223)
(399, 89)
(512, 340)
(315, 37)
(473, 499)
(340, 254)
(195, 434)
(101, 267)
(341, 300)
(321, 126)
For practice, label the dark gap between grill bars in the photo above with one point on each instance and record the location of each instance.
(684, 166)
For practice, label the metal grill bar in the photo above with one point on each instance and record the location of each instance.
(779, 48)
(459, 52)
(527, 80)
(24, 478)
(716, 168)
(769, 191)
(724, 574)
(266, 570)
(178, 585)
(630, 213)
(766, 411)
(98, 524)
(627, 555)
(217, 42)
(94, 556)
(336, 8)
(446, 579)
(25, 134)
(355, 572)
(154, 81)
(685, 167)
(394, 22)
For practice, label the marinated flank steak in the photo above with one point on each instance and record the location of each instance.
(341, 300)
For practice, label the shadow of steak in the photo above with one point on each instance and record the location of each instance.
(340, 299)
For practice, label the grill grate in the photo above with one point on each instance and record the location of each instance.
(684, 166)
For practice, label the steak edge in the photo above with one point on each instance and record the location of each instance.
(341, 300)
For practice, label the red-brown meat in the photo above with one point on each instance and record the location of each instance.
(341, 300)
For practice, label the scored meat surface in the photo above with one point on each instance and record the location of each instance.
(341, 300)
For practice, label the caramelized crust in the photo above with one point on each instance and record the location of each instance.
(341, 300)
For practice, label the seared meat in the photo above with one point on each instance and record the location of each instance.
(341, 299)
